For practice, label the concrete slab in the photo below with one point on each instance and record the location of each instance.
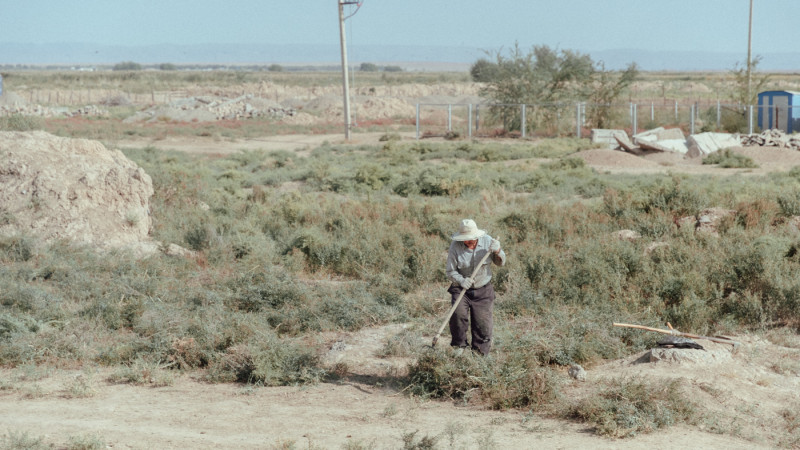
(607, 137)
(706, 143)
(666, 145)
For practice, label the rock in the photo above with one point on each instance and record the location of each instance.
(687, 355)
(178, 251)
(653, 246)
(75, 189)
(577, 372)
(626, 235)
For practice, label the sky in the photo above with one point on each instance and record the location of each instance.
(582, 25)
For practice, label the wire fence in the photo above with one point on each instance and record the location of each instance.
(577, 119)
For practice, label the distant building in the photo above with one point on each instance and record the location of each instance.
(779, 110)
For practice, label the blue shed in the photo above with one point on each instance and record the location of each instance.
(779, 110)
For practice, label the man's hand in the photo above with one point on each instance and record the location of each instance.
(467, 282)
(494, 247)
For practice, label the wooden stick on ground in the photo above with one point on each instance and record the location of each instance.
(675, 332)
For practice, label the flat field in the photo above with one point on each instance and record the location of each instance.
(305, 316)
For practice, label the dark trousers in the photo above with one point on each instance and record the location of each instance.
(475, 309)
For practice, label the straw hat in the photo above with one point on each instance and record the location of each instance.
(467, 231)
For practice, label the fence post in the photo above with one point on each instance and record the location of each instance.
(449, 117)
(691, 118)
(469, 120)
(417, 121)
(522, 125)
(578, 120)
(652, 112)
(477, 117)
(676, 111)
(750, 119)
(634, 121)
(719, 115)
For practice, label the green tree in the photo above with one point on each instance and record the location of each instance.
(275, 68)
(392, 69)
(540, 75)
(167, 66)
(604, 90)
(368, 67)
(483, 70)
(551, 78)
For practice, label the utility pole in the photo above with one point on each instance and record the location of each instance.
(749, 51)
(345, 82)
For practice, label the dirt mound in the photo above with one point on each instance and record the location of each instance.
(61, 188)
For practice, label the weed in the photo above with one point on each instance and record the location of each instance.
(20, 122)
(359, 444)
(270, 362)
(727, 159)
(85, 442)
(627, 407)
(81, 386)
(142, 372)
(22, 440)
(411, 442)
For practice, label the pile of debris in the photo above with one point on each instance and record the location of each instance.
(49, 112)
(692, 146)
(772, 138)
(210, 108)
(76, 189)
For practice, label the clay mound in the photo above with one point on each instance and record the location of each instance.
(76, 189)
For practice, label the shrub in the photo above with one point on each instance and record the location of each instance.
(269, 361)
(20, 122)
(627, 407)
(501, 381)
(789, 203)
(727, 159)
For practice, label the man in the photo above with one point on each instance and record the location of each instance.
(468, 247)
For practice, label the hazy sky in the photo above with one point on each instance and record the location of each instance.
(585, 25)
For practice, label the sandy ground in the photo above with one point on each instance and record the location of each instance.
(746, 394)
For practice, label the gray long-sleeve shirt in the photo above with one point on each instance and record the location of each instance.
(461, 261)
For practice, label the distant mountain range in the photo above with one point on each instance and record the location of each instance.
(408, 57)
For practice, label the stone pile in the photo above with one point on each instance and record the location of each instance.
(771, 138)
(49, 112)
(210, 108)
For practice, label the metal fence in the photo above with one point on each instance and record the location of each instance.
(577, 119)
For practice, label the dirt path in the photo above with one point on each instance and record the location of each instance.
(193, 414)
(743, 393)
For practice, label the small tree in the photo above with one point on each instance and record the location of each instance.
(606, 88)
(368, 67)
(392, 69)
(167, 66)
(757, 82)
(275, 68)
